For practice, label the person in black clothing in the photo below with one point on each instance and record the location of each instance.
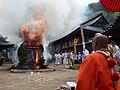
(1, 60)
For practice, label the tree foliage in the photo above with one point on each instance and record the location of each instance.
(97, 8)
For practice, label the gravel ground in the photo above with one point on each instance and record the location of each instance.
(36, 80)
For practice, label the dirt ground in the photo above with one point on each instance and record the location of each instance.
(37, 80)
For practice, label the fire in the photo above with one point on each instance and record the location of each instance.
(37, 57)
(33, 33)
(35, 30)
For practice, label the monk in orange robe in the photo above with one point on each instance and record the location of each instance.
(94, 72)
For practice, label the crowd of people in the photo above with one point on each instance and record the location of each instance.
(68, 58)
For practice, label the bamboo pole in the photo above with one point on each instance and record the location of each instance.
(82, 35)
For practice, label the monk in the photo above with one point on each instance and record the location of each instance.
(94, 72)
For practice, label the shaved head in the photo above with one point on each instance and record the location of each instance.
(99, 42)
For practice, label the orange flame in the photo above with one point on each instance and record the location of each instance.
(33, 33)
(37, 57)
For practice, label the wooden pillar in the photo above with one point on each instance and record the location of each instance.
(82, 35)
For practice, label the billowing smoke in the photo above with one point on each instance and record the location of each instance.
(12, 15)
(63, 15)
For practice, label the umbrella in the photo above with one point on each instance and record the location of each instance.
(112, 5)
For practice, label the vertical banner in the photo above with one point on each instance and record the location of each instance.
(75, 44)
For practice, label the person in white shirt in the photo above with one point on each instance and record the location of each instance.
(79, 57)
(75, 58)
(117, 54)
(71, 62)
(117, 57)
(65, 58)
(58, 58)
(85, 52)
(114, 47)
(55, 57)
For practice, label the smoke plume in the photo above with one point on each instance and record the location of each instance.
(63, 15)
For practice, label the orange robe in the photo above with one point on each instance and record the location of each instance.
(94, 74)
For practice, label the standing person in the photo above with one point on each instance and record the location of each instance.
(71, 62)
(79, 57)
(1, 60)
(59, 58)
(56, 57)
(82, 56)
(96, 72)
(117, 57)
(114, 48)
(65, 59)
(75, 58)
(85, 52)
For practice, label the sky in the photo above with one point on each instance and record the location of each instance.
(63, 15)
(91, 1)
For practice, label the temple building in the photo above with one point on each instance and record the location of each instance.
(4, 47)
(114, 31)
(95, 25)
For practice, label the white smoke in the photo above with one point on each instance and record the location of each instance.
(12, 16)
(63, 15)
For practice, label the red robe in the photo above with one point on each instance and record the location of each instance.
(94, 74)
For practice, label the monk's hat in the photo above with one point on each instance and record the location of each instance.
(112, 5)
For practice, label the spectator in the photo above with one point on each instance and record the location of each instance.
(79, 57)
(85, 52)
(65, 59)
(71, 62)
(97, 72)
(114, 47)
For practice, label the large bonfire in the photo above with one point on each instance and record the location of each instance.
(33, 33)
